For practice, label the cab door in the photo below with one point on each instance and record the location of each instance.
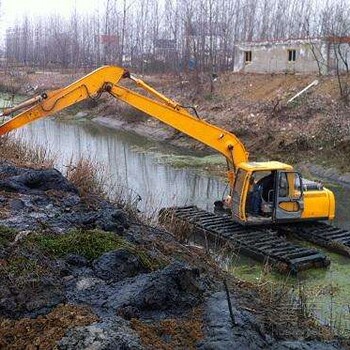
(239, 195)
(289, 197)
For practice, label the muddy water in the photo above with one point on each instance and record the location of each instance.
(136, 163)
(132, 163)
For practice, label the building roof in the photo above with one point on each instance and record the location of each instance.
(294, 41)
(291, 41)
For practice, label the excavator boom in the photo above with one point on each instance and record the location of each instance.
(53, 101)
(160, 107)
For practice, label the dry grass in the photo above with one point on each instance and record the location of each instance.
(93, 181)
(23, 154)
(44, 331)
(87, 176)
(180, 229)
(287, 312)
(171, 333)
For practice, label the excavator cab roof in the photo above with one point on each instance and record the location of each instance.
(264, 166)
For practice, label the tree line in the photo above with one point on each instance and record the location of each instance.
(171, 35)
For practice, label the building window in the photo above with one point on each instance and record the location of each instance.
(248, 56)
(292, 55)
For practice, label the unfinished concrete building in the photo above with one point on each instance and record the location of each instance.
(321, 55)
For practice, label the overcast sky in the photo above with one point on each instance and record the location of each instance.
(12, 10)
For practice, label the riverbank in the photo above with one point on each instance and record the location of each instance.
(79, 271)
(214, 165)
(269, 310)
(314, 129)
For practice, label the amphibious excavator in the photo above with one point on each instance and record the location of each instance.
(261, 193)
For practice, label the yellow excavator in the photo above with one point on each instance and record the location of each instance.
(261, 193)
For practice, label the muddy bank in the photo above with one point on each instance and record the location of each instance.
(328, 174)
(159, 132)
(79, 272)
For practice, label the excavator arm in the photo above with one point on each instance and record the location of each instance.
(51, 102)
(160, 107)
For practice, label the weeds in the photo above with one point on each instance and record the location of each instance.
(23, 154)
(90, 244)
(92, 180)
(21, 266)
(87, 176)
(7, 235)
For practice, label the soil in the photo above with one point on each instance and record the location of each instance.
(68, 283)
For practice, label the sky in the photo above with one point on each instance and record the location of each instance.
(12, 10)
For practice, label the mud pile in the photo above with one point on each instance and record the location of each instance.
(78, 273)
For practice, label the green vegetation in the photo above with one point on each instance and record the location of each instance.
(21, 266)
(181, 161)
(89, 243)
(6, 235)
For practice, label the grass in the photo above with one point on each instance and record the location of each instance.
(87, 176)
(21, 266)
(23, 154)
(6, 235)
(90, 244)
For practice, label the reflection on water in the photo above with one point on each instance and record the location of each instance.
(157, 184)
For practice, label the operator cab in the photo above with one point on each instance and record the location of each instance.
(267, 192)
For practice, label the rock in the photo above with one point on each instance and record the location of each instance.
(112, 219)
(36, 297)
(76, 260)
(81, 115)
(33, 180)
(114, 334)
(16, 204)
(118, 265)
(46, 199)
(177, 287)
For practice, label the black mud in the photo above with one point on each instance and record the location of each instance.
(142, 274)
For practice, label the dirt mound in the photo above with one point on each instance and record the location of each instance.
(43, 198)
(33, 181)
(118, 265)
(114, 334)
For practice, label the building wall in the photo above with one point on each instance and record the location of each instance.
(273, 58)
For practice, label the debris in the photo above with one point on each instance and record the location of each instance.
(314, 83)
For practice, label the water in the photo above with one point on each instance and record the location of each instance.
(129, 160)
(133, 161)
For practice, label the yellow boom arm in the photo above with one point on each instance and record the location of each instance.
(162, 108)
